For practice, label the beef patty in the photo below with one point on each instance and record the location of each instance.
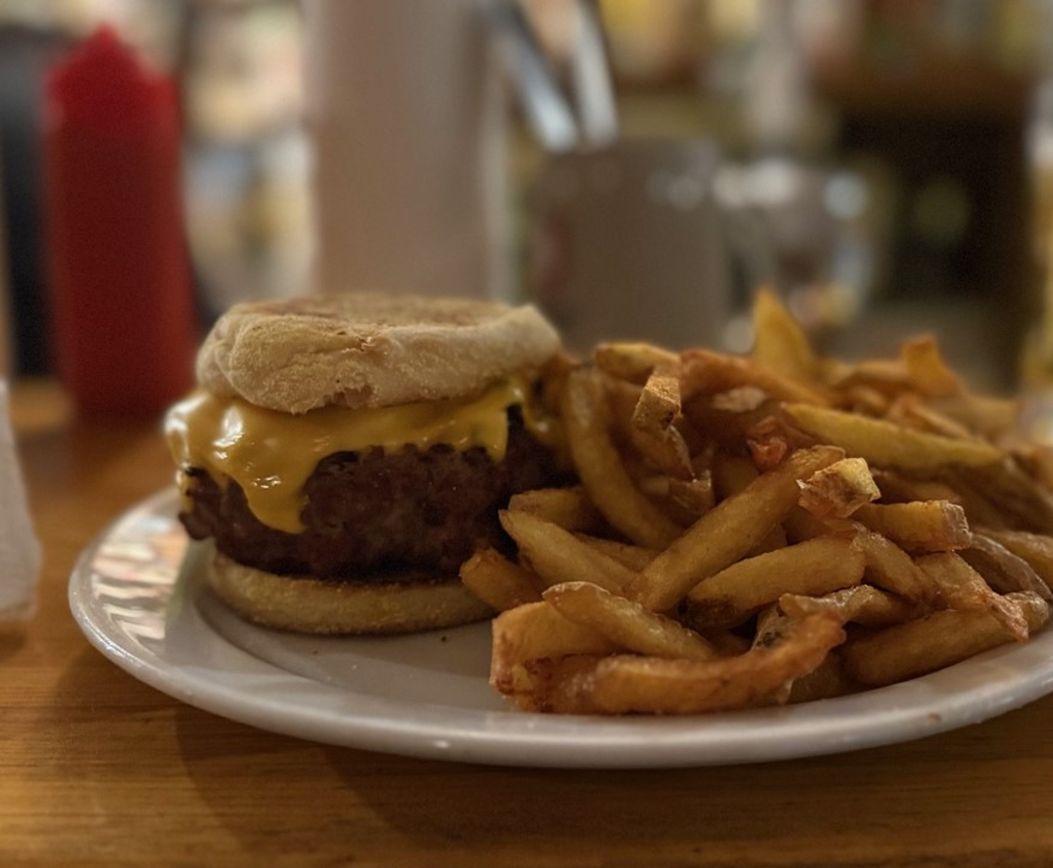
(372, 514)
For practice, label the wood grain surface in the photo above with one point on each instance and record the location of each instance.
(96, 767)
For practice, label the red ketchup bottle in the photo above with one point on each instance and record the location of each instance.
(121, 293)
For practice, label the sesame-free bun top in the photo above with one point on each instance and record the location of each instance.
(368, 350)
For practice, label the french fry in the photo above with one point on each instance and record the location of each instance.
(550, 684)
(991, 418)
(553, 377)
(665, 450)
(627, 624)
(964, 589)
(935, 641)
(926, 370)
(536, 631)
(773, 438)
(727, 532)
(498, 582)
(706, 372)
(686, 501)
(1034, 548)
(801, 525)
(632, 362)
(772, 627)
(628, 555)
(596, 459)
(780, 343)
(659, 401)
(885, 376)
(864, 399)
(570, 508)
(652, 429)
(839, 490)
(978, 507)
(891, 568)
(885, 444)
(1004, 571)
(909, 410)
(815, 567)
(556, 555)
(862, 604)
(898, 488)
(732, 473)
(826, 681)
(932, 525)
(624, 684)
(1026, 503)
(728, 427)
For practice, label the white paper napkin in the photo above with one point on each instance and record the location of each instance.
(19, 549)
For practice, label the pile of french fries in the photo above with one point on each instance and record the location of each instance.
(765, 529)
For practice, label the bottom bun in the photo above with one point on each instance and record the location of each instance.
(307, 605)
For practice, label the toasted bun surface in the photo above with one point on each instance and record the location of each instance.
(307, 605)
(365, 350)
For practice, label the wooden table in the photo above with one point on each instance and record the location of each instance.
(95, 766)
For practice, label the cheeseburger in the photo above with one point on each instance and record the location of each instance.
(347, 453)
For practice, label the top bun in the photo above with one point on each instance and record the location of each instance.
(367, 350)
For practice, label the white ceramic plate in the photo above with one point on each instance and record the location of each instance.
(143, 605)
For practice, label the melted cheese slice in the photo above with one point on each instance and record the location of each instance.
(271, 454)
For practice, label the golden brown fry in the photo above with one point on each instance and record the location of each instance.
(706, 372)
(553, 378)
(780, 342)
(815, 567)
(497, 581)
(839, 490)
(536, 631)
(801, 525)
(1024, 501)
(992, 418)
(1004, 571)
(550, 684)
(628, 555)
(1034, 548)
(884, 444)
(664, 450)
(659, 401)
(627, 624)
(623, 684)
(909, 411)
(773, 438)
(570, 508)
(772, 627)
(586, 417)
(899, 488)
(926, 370)
(862, 604)
(556, 555)
(891, 568)
(826, 681)
(632, 362)
(732, 473)
(652, 430)
(864, 399)
(884, 376)
(921, 526)
(728, 531)
(965, 589)
(931, 643)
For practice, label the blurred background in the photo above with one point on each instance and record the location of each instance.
(886, 165)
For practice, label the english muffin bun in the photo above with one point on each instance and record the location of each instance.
(306, 605)
(365, 350)
(346, 454)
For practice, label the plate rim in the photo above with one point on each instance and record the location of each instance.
(514, 738)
